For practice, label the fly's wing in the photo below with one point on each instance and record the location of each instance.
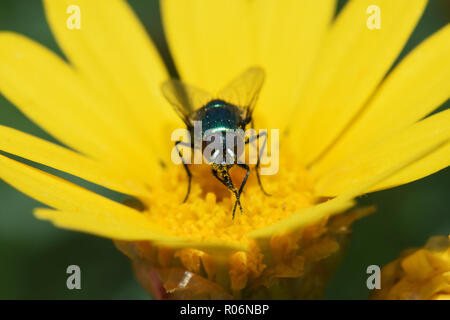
(184, 98)
(244, 90)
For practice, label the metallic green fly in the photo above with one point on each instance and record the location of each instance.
(227, 112)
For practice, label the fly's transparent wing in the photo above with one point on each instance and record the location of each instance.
(244, 90)
(184, 98)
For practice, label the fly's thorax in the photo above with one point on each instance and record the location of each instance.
(218, 115)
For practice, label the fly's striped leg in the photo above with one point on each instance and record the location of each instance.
(241, 188)
(221, 173)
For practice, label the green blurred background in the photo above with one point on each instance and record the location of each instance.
(34, 255)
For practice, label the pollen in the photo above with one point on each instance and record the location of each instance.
(207, 217)
(207, 214)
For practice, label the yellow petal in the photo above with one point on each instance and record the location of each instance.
(123, 226)
(54, 96)
(305, 217)
(53, 191)
(41, 151)
(431, 163)
(415, 88)
(43, 87)
(115, 55)
(418, 142)
(213, 41)
(352, 63)
(290, 34)
(112, 225)
(342, 202)
(82, 209)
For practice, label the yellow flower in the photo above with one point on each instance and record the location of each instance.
(349, 126)
(422, 274)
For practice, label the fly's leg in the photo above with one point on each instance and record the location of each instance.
(221, 173)
(250, 140)
(241, 188)
(186, 168)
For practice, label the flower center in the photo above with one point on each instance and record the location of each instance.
(207, 214)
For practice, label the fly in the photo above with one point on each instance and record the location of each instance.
(229, 111)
